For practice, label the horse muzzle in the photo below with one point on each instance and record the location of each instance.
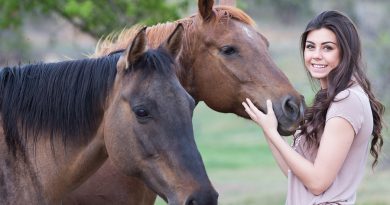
(292, 112)
(203, 197)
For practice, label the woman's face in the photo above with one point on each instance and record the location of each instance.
(321, 54)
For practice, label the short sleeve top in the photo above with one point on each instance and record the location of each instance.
(353, 105)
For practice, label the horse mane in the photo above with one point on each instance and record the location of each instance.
(158, 33)
(64, 99)
(155, 60)
(67, 99)
(116, 41)
(224, 13)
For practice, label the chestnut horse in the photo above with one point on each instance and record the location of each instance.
(61, 121)
(224, 60)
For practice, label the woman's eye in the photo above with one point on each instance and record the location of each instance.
(142, 113)
(328, 48)
(309, 46)
(228, 50)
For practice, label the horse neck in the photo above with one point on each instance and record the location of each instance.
(43, 166)
(51, 173)
(17, 181)
(160, 32)
(74, 93)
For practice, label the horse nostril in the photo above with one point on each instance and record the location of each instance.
(191, 201)
(206, 197)
(290, 108)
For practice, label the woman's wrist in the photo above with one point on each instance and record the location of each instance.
(271, 133)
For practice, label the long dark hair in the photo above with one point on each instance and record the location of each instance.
(350, 66)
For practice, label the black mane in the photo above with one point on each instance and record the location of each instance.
(155, 60)
(63, 99)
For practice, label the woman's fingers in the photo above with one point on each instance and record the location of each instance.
(246, 106)
(266, 121)
(269, 107)
(253, 107)
(249, 111)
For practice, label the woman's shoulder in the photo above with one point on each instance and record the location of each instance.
(354, 95)
(351, 104)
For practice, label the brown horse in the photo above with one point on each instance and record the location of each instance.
(61, 121)
(223, 61)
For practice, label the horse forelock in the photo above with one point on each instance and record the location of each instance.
(59, 100)
(159, 33)
(156, 61)
(224, 13)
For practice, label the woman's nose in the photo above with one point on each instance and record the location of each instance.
(317, 54)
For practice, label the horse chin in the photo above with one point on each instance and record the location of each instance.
(205, 197)
(285, 132)
(286, 127)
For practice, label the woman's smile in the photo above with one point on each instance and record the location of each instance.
(321, 54)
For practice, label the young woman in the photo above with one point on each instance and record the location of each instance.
(326, 163)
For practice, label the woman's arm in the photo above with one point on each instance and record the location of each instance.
(278, 157)
(275, 152)
(334, 146)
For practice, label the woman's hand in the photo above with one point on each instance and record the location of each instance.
(268, 122)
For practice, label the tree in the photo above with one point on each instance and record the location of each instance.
(95, 17)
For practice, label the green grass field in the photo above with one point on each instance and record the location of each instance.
(242, 169)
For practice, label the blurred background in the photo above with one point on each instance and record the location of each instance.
(236, 156)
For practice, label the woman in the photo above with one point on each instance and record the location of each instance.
(327, 160)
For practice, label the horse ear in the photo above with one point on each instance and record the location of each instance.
(137, 48)
(174, 42)
(205, 8)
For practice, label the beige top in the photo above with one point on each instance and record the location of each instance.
(354, 106)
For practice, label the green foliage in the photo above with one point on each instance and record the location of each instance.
(98, 17)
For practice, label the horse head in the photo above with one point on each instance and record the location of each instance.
(233, 63)
(148, 128)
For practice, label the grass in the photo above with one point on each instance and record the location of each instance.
(243, 171)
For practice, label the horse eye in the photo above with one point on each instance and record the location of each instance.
(142, 113)
(228, 50)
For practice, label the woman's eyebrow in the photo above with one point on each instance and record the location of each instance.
(326, 42)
